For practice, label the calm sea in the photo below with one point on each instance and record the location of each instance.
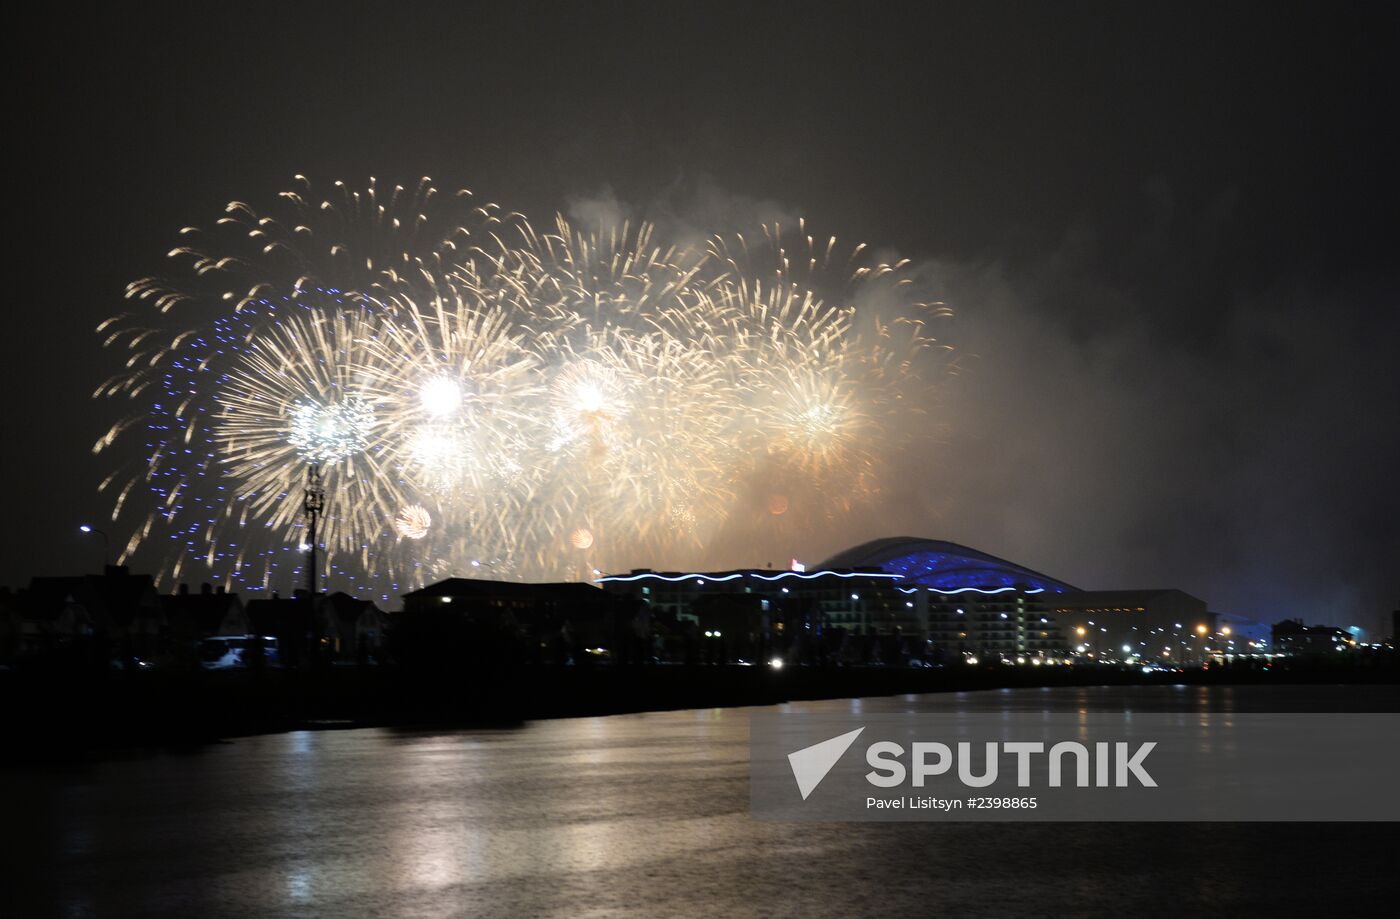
(636, 814)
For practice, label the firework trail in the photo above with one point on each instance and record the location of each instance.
(482, 394)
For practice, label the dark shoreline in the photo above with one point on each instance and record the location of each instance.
(57, 715)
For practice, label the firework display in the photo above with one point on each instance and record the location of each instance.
(479, 393)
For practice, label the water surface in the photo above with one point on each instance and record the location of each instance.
(641, 814)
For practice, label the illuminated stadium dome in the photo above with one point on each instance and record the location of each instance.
(943, 566)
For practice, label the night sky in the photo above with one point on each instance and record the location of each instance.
(1168, 230)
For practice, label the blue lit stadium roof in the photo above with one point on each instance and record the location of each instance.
(941, 565)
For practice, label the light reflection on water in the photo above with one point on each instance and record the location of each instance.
(645, 814)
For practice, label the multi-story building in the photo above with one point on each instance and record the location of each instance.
(1162, 626)
(970, 604)
(864, 601)
(1293, 638)
(1007, 624)
(554, 622)
(748, 614)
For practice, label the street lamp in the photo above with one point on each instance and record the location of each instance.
(88, 528)
(1084, 647)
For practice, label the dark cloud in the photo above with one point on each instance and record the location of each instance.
(1249, 462)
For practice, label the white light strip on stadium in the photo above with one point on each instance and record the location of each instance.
(962, 590)
(762, 577)
(817, 574)
(659, 577)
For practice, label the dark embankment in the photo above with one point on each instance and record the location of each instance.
(58, 713)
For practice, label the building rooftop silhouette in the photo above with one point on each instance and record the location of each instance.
(941, 565)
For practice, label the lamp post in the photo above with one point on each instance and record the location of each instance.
(313, 505)
(88, 528)
(1083, 646)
